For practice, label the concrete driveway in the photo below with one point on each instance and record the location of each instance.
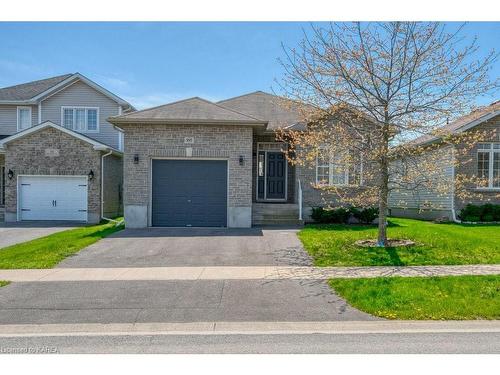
(180, 300)
(13, 233)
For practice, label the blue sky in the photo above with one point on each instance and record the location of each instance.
(155, 63)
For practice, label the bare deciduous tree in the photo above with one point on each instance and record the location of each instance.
(366, 90)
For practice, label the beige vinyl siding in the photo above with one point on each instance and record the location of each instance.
(428, 198)
(8, 118)
(80, 94)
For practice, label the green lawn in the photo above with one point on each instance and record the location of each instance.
(452, 297)
(3, 283)
(333, 245)
(46, 252)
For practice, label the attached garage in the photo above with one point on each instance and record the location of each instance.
(53, 198)
(190, 193)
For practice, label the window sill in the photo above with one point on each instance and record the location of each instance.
(488, 189)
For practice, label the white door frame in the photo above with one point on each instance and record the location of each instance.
(265, 172)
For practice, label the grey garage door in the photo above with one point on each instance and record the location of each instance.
(189, 193)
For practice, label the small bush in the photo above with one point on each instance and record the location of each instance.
(486, 212)
(339, 215)
(365, 215)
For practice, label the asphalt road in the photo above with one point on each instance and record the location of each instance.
(434, 343)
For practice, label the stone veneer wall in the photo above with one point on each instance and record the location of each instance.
(27, 156)
(467, 164)
(168, 141)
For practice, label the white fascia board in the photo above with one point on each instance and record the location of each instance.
(478, 121)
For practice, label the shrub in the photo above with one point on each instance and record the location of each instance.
(486, 212)
(365, 215)
(338, 215)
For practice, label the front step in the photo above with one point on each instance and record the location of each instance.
(275, 214)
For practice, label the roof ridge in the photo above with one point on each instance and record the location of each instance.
(240, 113)
(248, 94)
(39, 80)
(185, 100)
(157, 106)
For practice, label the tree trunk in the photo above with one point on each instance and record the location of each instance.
(382, 205)
(384, 183)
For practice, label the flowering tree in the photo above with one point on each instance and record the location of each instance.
(366, 90)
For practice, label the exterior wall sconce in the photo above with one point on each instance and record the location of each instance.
(10, 174)
(91, 175)
(242, 160)
(136, 159)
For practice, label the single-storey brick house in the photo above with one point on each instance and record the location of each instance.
(199, 163)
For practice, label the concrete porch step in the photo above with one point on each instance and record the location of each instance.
(278, 222)
(276, 214)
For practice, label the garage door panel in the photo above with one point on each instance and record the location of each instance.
(189, 193)
(53, 198)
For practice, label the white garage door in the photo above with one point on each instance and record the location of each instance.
(53, 198)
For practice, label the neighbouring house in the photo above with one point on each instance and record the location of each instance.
(200, 163)
(60, 159)
(481, 161)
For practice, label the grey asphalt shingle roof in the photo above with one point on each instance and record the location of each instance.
(29, 90)
(188, 110)
(277, 111)
(455, 126)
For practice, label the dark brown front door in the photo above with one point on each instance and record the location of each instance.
(276, 176)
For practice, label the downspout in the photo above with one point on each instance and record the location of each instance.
(102, 192)
(453, 214)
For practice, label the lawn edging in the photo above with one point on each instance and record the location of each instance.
(48, 251)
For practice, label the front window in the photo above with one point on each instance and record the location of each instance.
(330, 170)
(80, 119)
(488, 165)
(23, 118)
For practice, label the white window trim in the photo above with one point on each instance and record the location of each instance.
(74, 118)
(30, 117)
(331, 167)
(490, 151)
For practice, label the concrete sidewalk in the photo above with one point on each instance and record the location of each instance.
(249, 328)
(239, 273)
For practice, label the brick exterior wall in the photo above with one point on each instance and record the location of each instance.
(467, 165)
(113, 186)
(26, 155)
(167, 141)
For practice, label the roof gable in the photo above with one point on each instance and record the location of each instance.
(192, 110)
(34, 129)
(33, 92)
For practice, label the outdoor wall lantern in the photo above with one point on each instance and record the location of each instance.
(136, 159)
(242, 160)
(10, 174)
(91, 175)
